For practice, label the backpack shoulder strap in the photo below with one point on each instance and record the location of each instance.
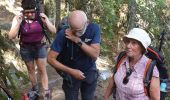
(38, 18)
(154, 52)
(19, 32)
(120, 58)
(148, 75)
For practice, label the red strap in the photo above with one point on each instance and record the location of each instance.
(146, 69)
(154, 53)
(120, 61)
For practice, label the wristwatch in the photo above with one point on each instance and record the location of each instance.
(80, 43)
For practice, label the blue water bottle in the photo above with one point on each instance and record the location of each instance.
(163, 87)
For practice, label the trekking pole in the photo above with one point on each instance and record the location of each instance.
(9, 97)
(161, 39)
(164, 81)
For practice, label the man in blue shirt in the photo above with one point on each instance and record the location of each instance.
(78, 48)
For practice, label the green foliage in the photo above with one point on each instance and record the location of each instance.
(9, 75)
(49, 6)
(152, 13)
(108, 18)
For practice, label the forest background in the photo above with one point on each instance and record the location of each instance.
(115, 17)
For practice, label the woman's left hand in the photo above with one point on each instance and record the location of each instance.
(44, 18)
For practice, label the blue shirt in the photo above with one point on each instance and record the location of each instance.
(70, 54)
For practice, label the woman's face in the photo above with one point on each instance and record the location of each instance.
(133, 48)
(29, 14)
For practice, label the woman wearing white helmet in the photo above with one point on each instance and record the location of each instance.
(128, 78)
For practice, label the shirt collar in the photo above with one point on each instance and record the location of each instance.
(136, 67)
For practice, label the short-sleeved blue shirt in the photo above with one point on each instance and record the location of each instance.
(71, 54)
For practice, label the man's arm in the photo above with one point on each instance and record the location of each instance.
(92, 50)
(52, 55)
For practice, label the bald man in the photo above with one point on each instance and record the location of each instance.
(76, 49)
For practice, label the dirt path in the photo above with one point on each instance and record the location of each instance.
(55, 83)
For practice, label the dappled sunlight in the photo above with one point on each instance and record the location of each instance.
(104, 66)
(12, 6)
(9, 57)
(103, 63)
(58, 95)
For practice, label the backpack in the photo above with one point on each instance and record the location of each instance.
(155, 59)
(63, 24)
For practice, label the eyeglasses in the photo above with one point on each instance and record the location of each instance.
(126, 78)
(78, 30)
(26, 12)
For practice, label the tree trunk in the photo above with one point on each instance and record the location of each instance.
(41, 6)
(58, 9)
(131, 18)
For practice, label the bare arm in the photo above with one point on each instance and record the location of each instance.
(109, 89)
(47, 23)
(15, 27)
(92, 50)
(155, 89)
(52, 55)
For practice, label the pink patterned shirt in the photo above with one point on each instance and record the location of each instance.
(134, 89)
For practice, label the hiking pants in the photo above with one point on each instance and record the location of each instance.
(87, 86)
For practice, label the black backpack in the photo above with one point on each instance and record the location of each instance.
(63, 24)
(156, 58)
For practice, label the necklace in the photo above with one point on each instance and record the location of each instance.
(133, 61)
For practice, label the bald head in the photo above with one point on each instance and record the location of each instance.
(77, 19)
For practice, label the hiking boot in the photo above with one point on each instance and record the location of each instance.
(33, 94)
(35, 88)
(47, 95)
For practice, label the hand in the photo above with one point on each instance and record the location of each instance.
(19, 19)
(44, 18)
(78, 74)
(70, 35)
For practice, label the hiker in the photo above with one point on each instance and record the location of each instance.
(78, 48)
(33, 48)
(128, 79)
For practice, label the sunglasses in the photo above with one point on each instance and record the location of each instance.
(126, 78)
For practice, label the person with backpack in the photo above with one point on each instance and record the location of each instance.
(33, 49)
(74, 52)
(127, 81)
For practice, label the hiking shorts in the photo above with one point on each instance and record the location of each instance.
(87, 86)
(30, 53)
